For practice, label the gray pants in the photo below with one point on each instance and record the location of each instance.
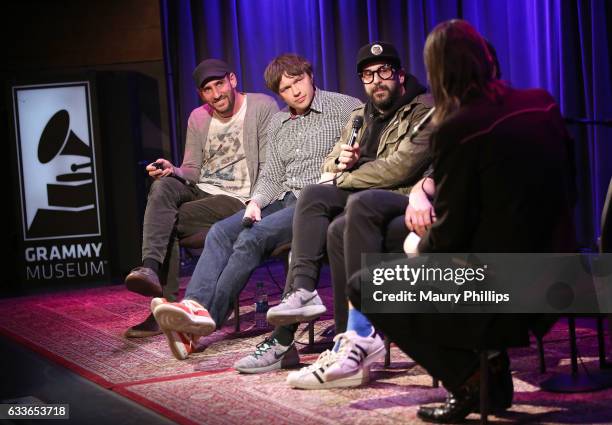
(175, 211)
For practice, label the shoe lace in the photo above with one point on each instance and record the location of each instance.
(264, 346)
(345, 346)
(289, 294)
(326, 358)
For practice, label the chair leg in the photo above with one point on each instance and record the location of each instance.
(540, 343)
(388, 354)
(311, 335)
(286, 261)
(601, 342)
(571, 322)
(237, 314)
(484, 387)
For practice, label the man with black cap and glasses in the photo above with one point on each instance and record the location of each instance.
(224, 152)
(383, 156)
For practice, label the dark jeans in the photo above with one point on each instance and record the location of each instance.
(232, 252)
(322, 214)
(373, 222)
(174, 211)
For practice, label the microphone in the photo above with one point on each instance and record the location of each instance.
(357, 123)
(247, 222)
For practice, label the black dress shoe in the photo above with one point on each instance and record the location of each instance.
(148, 327)
(144, 281)
(458, 405)
(466, 399)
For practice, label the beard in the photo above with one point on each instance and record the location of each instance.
(230, 103)
(386, 102)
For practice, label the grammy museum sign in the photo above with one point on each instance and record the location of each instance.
(60, 194)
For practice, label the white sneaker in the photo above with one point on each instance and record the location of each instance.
(181, 344)
(312, 377)
(296, 307)
(355, 355)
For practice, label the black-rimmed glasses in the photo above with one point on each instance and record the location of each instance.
(385, 72)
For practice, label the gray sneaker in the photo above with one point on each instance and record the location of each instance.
(297, 306)
(269, 355)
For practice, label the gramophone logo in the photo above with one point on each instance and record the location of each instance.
(57, 163)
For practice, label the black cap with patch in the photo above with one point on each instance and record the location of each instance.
(378, 51)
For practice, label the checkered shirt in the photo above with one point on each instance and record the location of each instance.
(297, 145)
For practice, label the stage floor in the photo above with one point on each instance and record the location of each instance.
(68, 347)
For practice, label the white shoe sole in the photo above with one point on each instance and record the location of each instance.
(263, 369)
(172, 318)
(156, 302)
(360, 377)
(298, 315)
(179, 347)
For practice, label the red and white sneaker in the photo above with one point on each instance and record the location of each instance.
(156, 302)
(187, 317)
(181, 344)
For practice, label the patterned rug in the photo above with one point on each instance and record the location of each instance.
(83, 331)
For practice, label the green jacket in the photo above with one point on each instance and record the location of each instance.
(399, 163)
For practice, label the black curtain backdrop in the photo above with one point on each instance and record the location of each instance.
(560, 45)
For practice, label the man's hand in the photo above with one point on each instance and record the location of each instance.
(166, 170)
(348, 156)
(327, 178)
(253, 211)
(419, 213)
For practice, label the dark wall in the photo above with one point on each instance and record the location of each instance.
(72, 33)
(120, 44)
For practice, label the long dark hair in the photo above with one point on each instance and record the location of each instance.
(459, 66)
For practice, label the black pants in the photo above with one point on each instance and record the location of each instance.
(373, 222)
(173, 212)
(321, 216)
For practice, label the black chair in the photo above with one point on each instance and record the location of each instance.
(592, 380)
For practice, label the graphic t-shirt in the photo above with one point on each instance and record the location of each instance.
(225, 169)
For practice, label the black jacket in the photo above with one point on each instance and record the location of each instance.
(504, 183)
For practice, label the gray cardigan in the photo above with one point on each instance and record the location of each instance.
(260, 108)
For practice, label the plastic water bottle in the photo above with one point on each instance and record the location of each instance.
(261, 306)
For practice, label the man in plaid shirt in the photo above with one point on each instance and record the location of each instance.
(299, 139)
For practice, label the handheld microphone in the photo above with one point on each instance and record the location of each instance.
(247, 222)
(357, 124)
